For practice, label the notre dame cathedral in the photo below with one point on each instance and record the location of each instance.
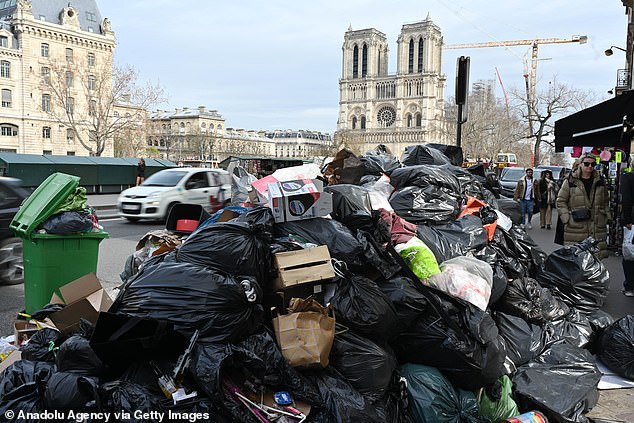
(395, 109)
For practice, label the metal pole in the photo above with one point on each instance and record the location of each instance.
(459, 127)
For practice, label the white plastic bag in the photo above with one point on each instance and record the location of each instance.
(628, 245)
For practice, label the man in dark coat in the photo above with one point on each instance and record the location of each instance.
(627, 218)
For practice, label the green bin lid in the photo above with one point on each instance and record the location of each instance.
(41, 204)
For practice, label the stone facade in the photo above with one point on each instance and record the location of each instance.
(393, 109)
(301, 144)
(37, 38)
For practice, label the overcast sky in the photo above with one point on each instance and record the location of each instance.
(277, 64)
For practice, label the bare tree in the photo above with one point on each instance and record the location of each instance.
(557, 101)
(85, 99)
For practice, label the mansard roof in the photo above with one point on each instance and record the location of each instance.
(49, 10)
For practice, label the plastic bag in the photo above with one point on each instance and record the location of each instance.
(628, 244)
(544, 384)
(499, 410)
(70, 391)
(465, 277)
(122, 396)
(576, 276)
(418, 257)
(455, 238)
(524, 340)
(366, 365)
(432, 398)
(378, 163)
(43, 345)
(68, 222)
(351, 203)
(617, 347)
(76, 355)
(362, 306)
(574, 327)
(425, 205)
(191, 297)
(22, 388)
(423, 155)
(525, 298)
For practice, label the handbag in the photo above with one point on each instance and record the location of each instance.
(628, 245)
(581, 215)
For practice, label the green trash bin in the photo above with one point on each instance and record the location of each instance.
(51, 261)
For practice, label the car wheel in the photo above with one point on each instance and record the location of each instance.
(11, 262)
(132, 219)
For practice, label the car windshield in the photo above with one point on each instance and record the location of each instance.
(164, 179)
(513, 174)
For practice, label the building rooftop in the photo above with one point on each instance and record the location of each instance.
(48, 10)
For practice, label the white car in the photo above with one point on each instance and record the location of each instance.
(153, 199)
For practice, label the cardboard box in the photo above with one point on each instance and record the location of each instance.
(15, 356)
(23, 330)
(84, 299)
(303, 266)
(298, 200)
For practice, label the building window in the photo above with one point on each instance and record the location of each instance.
(420, 55)
(115, 114)
(43, 18)
(364, 61)
(46, 102)
(362, 122)
(354, 122)
(7, 130)
(92, 82)
(70, 106)
(90, 17)
(46, 74)
(46, 132)
(70, 136)
(91, 59)
(47, 152)
(410, 66)
(6, 98)
(69, 55)
(355, 62)
(69, 79)
(70, 153)
(92, 108)
(4, 41)
(5, 69)
(44, 50)
(419, 120)
(409, 120)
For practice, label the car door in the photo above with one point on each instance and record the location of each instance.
(198, 189)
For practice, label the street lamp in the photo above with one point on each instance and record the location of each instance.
(609, 51)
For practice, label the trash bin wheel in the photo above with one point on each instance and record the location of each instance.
(11, 262)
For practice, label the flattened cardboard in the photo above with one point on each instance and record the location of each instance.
(298, 200)
(303, 266)
(23, 330)
(84, 298)
(14, 357)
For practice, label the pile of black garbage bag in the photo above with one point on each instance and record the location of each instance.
(405, 350)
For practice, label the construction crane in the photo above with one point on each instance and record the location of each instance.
(530, 77)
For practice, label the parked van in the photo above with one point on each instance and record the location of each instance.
(154, 198)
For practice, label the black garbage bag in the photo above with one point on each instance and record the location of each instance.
(423, 155)
(425, 205)
(524, 341)
(432, 398)
(350, 205)
(222, 307)
(367, 366)
(76, 355)
(361, 305)
(453, 153)
(434, 178)
(393, 407)
(42, 345)
(455, 238)
(342, 243)
(561, 383)
(511, 208)
(46, 311)
(599, 321)
(500, 279)
(525, 298)
(377, 163)
(239, 247)
(454, 336)
(574, 328)
(576, 276)
(518, 253)
(71, 391)
(126, 398)
(257, 356)
(22, 388)
(469, 183)
(616, 347)
(68, 222)
(408, 302)
(342, 403)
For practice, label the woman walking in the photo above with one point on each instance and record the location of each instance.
(582, 204)
(547, 195)
(140, 172)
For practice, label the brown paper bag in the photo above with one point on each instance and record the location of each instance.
(306, 334)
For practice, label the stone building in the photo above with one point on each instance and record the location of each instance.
(198, 136)
(300, 143)
(397, 110)
(39, 38)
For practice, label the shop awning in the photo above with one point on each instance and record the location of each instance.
(607, 124)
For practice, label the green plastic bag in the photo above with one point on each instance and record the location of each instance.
(418, 257)
(498, 411)
(74, 202)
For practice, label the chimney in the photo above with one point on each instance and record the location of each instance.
(177, 110)
(202, 109)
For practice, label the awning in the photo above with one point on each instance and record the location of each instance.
(606, 124)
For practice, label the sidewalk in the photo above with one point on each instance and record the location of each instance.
(104, 204)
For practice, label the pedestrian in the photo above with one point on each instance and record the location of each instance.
(582, 205)
(627, 218)
(546, 195)
(525, 194)
(140, 172)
